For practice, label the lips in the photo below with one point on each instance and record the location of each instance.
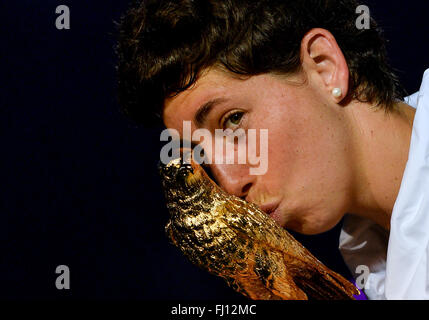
(273, 210)
(269, 208)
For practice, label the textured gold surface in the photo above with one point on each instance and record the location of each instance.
(235, 240)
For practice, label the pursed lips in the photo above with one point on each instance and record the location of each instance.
(269, 208)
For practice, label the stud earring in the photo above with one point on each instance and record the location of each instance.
(337, 92)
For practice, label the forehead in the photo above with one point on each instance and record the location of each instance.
(211, 83)
(214, 83)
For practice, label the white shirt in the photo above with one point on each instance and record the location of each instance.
(398, 263)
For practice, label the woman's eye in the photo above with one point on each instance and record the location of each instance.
(233, 120)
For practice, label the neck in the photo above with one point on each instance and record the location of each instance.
(381, 144)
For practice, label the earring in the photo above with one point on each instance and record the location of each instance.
(337, 92)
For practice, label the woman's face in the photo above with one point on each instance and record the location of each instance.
(308, 182)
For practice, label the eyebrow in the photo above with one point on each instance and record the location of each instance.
(204, 110)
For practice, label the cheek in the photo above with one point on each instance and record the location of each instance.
(292, 151)
(307, 147)
(308, 166)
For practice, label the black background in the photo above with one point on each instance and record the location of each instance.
(79, 184)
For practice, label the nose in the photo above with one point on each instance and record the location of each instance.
(233, 178)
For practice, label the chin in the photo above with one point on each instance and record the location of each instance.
(310, 224)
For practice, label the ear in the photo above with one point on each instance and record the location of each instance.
(322, 57)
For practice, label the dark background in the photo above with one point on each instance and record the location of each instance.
(79, 184)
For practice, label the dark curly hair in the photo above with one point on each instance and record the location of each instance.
(164, 45)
